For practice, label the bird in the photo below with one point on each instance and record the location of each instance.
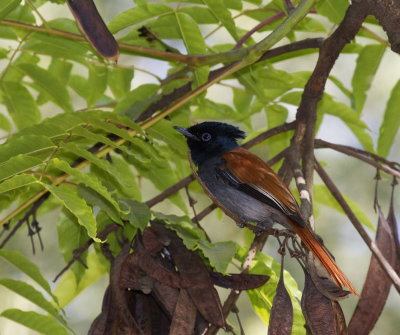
(247, 189)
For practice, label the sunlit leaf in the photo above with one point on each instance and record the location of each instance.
(26, 266)
(6, 6)
(17, 182)
(219, 254)
(41, 323)
(50, 83)
(323, 196)
(367, 64)
(20, 104)
(391, 122)
(68, 196)
(27, 291)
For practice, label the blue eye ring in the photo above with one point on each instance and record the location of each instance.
(205, 137)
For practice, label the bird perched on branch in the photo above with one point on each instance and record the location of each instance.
(247, 189)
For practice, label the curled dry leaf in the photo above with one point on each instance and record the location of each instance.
(141, 260)
(323, 316)
(377, 284)
(322, 280)
(241, 281)
(94, 28)
(151, 243)
(194, 274)
(281, 318)
(184, 318)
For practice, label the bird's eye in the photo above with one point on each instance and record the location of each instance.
(205, 137)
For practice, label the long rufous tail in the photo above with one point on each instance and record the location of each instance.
(308, 237)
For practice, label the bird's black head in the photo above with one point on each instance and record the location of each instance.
(209, 139)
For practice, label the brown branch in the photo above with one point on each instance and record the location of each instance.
(393, 169)
(387, 13)
(358, 226)
(313, 91)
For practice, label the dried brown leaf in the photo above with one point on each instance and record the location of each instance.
(141, 260)
(241, 281)
(151, 243)
(377, 284)
(184, 317)
(195, 277)
(323, 316)
(94, 28)
(322, 280)
(281, 318)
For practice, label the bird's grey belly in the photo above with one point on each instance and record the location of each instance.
(242, 205)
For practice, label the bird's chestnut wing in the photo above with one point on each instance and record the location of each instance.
(252, 175)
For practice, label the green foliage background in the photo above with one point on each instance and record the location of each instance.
(58, 98)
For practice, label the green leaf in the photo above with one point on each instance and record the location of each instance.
(328, 106)
(334, 10)
(119, 81)
(68, 196)
(27, 267)
(137, 100)
(97, 83)
(219, 9)
(6, 6)
(136, 15)
(164, 131)
(17, 182)
(5, 124)
(138, 213)
(94, 199)
(50, 83)
(391, 122)
(86, 179)
(42, 323)
(71, 236)
(200, 14)
(323, 196)
(68, 288)
(194, 43)
(367, 64)
(27, 291)
(219, 254)
(57, 47)
(277, 115)
(32, 145)
(20, 104)
(18, 164)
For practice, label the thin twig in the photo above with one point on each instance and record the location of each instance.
(392, 168)
(77, 253)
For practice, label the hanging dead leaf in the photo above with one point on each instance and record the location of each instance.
(322, 280)
(184, 317)
(281, 317)
(241, 281)
(140, 259)
(195, 276)
(151, 243)
(322, 315)
(94, 28)
(377, 284)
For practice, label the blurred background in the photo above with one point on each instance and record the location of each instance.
(352, 177)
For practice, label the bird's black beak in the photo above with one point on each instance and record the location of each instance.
(186, 133)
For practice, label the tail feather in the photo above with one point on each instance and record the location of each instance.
(318, 250)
